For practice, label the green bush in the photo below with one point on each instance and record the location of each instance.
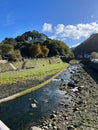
(0, 57)
(14, 56)
(74, 61)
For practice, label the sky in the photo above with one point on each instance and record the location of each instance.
(71, 21)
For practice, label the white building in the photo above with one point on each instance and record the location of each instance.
(36, 39)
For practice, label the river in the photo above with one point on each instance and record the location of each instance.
(19, 114)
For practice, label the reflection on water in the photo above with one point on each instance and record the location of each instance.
(19, 114)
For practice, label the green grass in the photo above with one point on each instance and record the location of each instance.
(37, 62)
(37, 73)
(5, 67)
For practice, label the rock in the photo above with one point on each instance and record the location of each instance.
(71, 84)
(53, 124)
(62, 103)
(30, 99)
(70, 127)
(46, 101)
(75, 109)
(50, 124)
(53, 116)
(35, 128)
(63, 87)
(34, 105)
(75, 89)
(35, 101)
(55, 127)
(66, 105)
(46, 127)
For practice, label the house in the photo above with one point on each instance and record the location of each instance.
(36, 39)
(86, 56)
(29, 39)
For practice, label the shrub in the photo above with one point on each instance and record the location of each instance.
(0, 57)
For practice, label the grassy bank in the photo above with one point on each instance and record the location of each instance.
(37, 73)
(14, 84)
(27, 91)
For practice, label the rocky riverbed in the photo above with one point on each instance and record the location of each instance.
(82, 111)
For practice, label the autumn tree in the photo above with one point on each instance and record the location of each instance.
(35, 50)
(44, 51)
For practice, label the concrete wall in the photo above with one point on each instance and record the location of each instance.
(3, 126)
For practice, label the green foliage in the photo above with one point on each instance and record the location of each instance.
(5, 49)
(14, 56)
(34, 44)
(70, 54)
(0, 57)
(94, 55)
(57, 47)
(7, 52)
(11, 41)
(74, 61)
(88, 46)
(26, 35)
(18, 55)
(24, 48)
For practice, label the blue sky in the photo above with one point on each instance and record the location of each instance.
(71, 21)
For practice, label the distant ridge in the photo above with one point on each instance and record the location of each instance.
(88, 46)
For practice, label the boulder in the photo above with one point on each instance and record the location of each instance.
(71, 84)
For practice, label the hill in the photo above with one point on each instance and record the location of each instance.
(33, 44)
(87, 47)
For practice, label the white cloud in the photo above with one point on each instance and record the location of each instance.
(53, 37)
(59, 28)
(80, 30)
(75, 45)
(77, 31)
(47, 27)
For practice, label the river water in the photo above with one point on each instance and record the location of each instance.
(19, 114)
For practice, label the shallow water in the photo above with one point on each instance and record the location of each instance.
(19, 114)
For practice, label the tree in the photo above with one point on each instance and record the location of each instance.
(18, 55)
(94, 55)
(11, 41)
(14, 56)
(39, 46)
(5, 49)
(24, 48)
(57, 47)
(0, 57)
(35, 50)
(44, 51)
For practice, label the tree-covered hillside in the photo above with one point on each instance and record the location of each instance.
(88, 46)
(32, 44)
